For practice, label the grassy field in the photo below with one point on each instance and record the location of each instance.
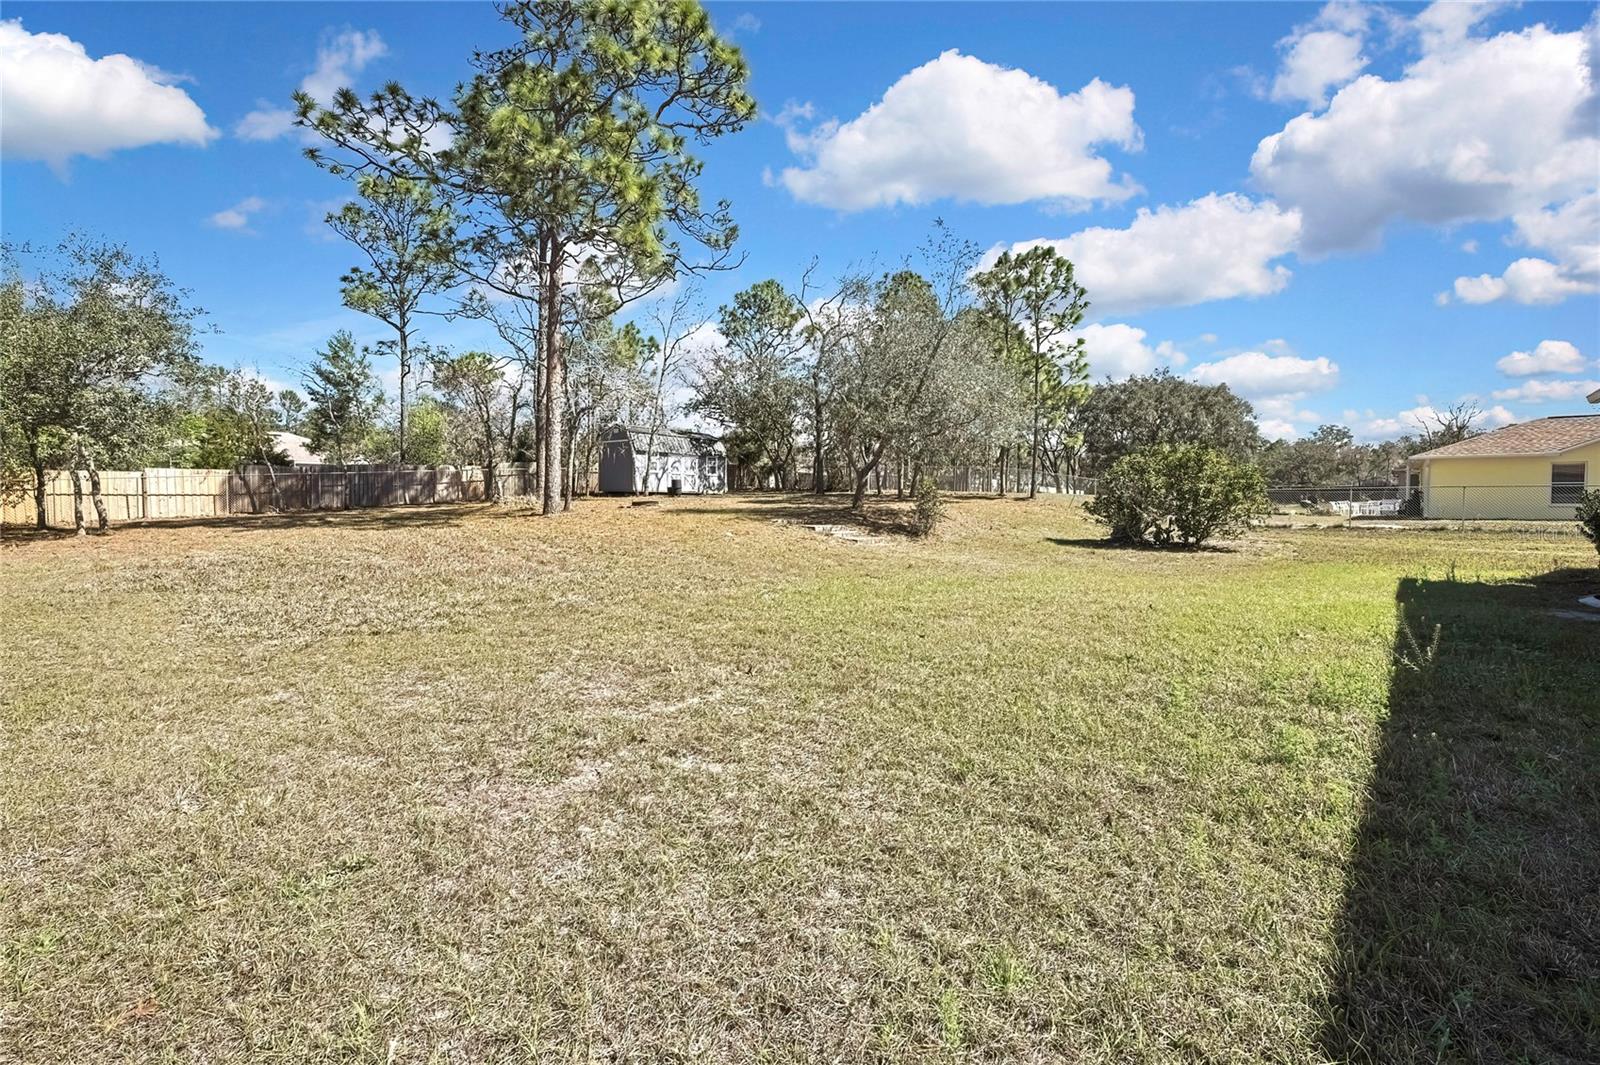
(696, 783)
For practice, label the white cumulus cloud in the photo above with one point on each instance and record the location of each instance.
(59, 102)
(1446, 24)
(960, 128)
(1551, 356)
(1257, 375)
(238, 216)
(1532, 281)
(340, 57)
(1322, 54)
(1540, 391)
(1118, 350)
(1217, 247)
(1570, 233)
(1476, 129)
(1274, 383)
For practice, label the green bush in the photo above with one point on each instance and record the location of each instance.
(1589, 516)
(1184, 494)
(928, 507)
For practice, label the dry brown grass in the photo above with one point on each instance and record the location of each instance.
(691, 783)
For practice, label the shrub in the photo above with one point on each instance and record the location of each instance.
(1589, 516)
(1183, 494)
(928, 508)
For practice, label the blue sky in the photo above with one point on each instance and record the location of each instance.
(1348, 213)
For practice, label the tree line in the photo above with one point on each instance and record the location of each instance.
(554, 196)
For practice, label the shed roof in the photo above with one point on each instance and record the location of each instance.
(667, 441)
(1545, 436)
(1594, 397)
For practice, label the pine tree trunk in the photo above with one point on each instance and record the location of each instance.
(572, 467)
(1033, 462)
(538, 420)
(405, 371)
(1004, 451)
(555, 380)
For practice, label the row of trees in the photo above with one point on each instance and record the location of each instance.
(932, 364)
(556, 188)
(981, 369)
(914, 368)
(99, 367)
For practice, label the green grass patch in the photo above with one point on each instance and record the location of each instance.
(694, 783)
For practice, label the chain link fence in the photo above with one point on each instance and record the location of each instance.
(1504, 502)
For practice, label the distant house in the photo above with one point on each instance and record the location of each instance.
(297, 448)
(1532, 470)
(634, 460)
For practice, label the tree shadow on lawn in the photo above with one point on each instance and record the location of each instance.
(419, 515)
(885, 516)
(1106, 543)
(1471, 922)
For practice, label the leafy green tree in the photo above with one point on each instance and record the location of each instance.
(476, 382)
(1327, 456)
(236, 423)
(1036, 299)
(911, 336)
(570, 144)
(751, 383)
(1331, 456)
(1182, 494)
(343, 396)
(409, 241)
(1121, 417)
(84, 339)
(291, 410)
(427, 430)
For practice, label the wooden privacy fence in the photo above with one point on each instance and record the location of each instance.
(135, 495)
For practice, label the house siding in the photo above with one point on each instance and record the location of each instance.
(1511, 487)
(622, 465)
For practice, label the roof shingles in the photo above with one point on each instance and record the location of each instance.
(1545, 436)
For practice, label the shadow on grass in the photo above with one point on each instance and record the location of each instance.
(421, 515)
(1471, 924)
(881, 516)
(1106, 543)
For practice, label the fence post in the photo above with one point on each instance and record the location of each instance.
(144, 494)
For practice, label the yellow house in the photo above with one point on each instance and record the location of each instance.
(1533, 470)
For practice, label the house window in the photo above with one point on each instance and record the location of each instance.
(1566, 483)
